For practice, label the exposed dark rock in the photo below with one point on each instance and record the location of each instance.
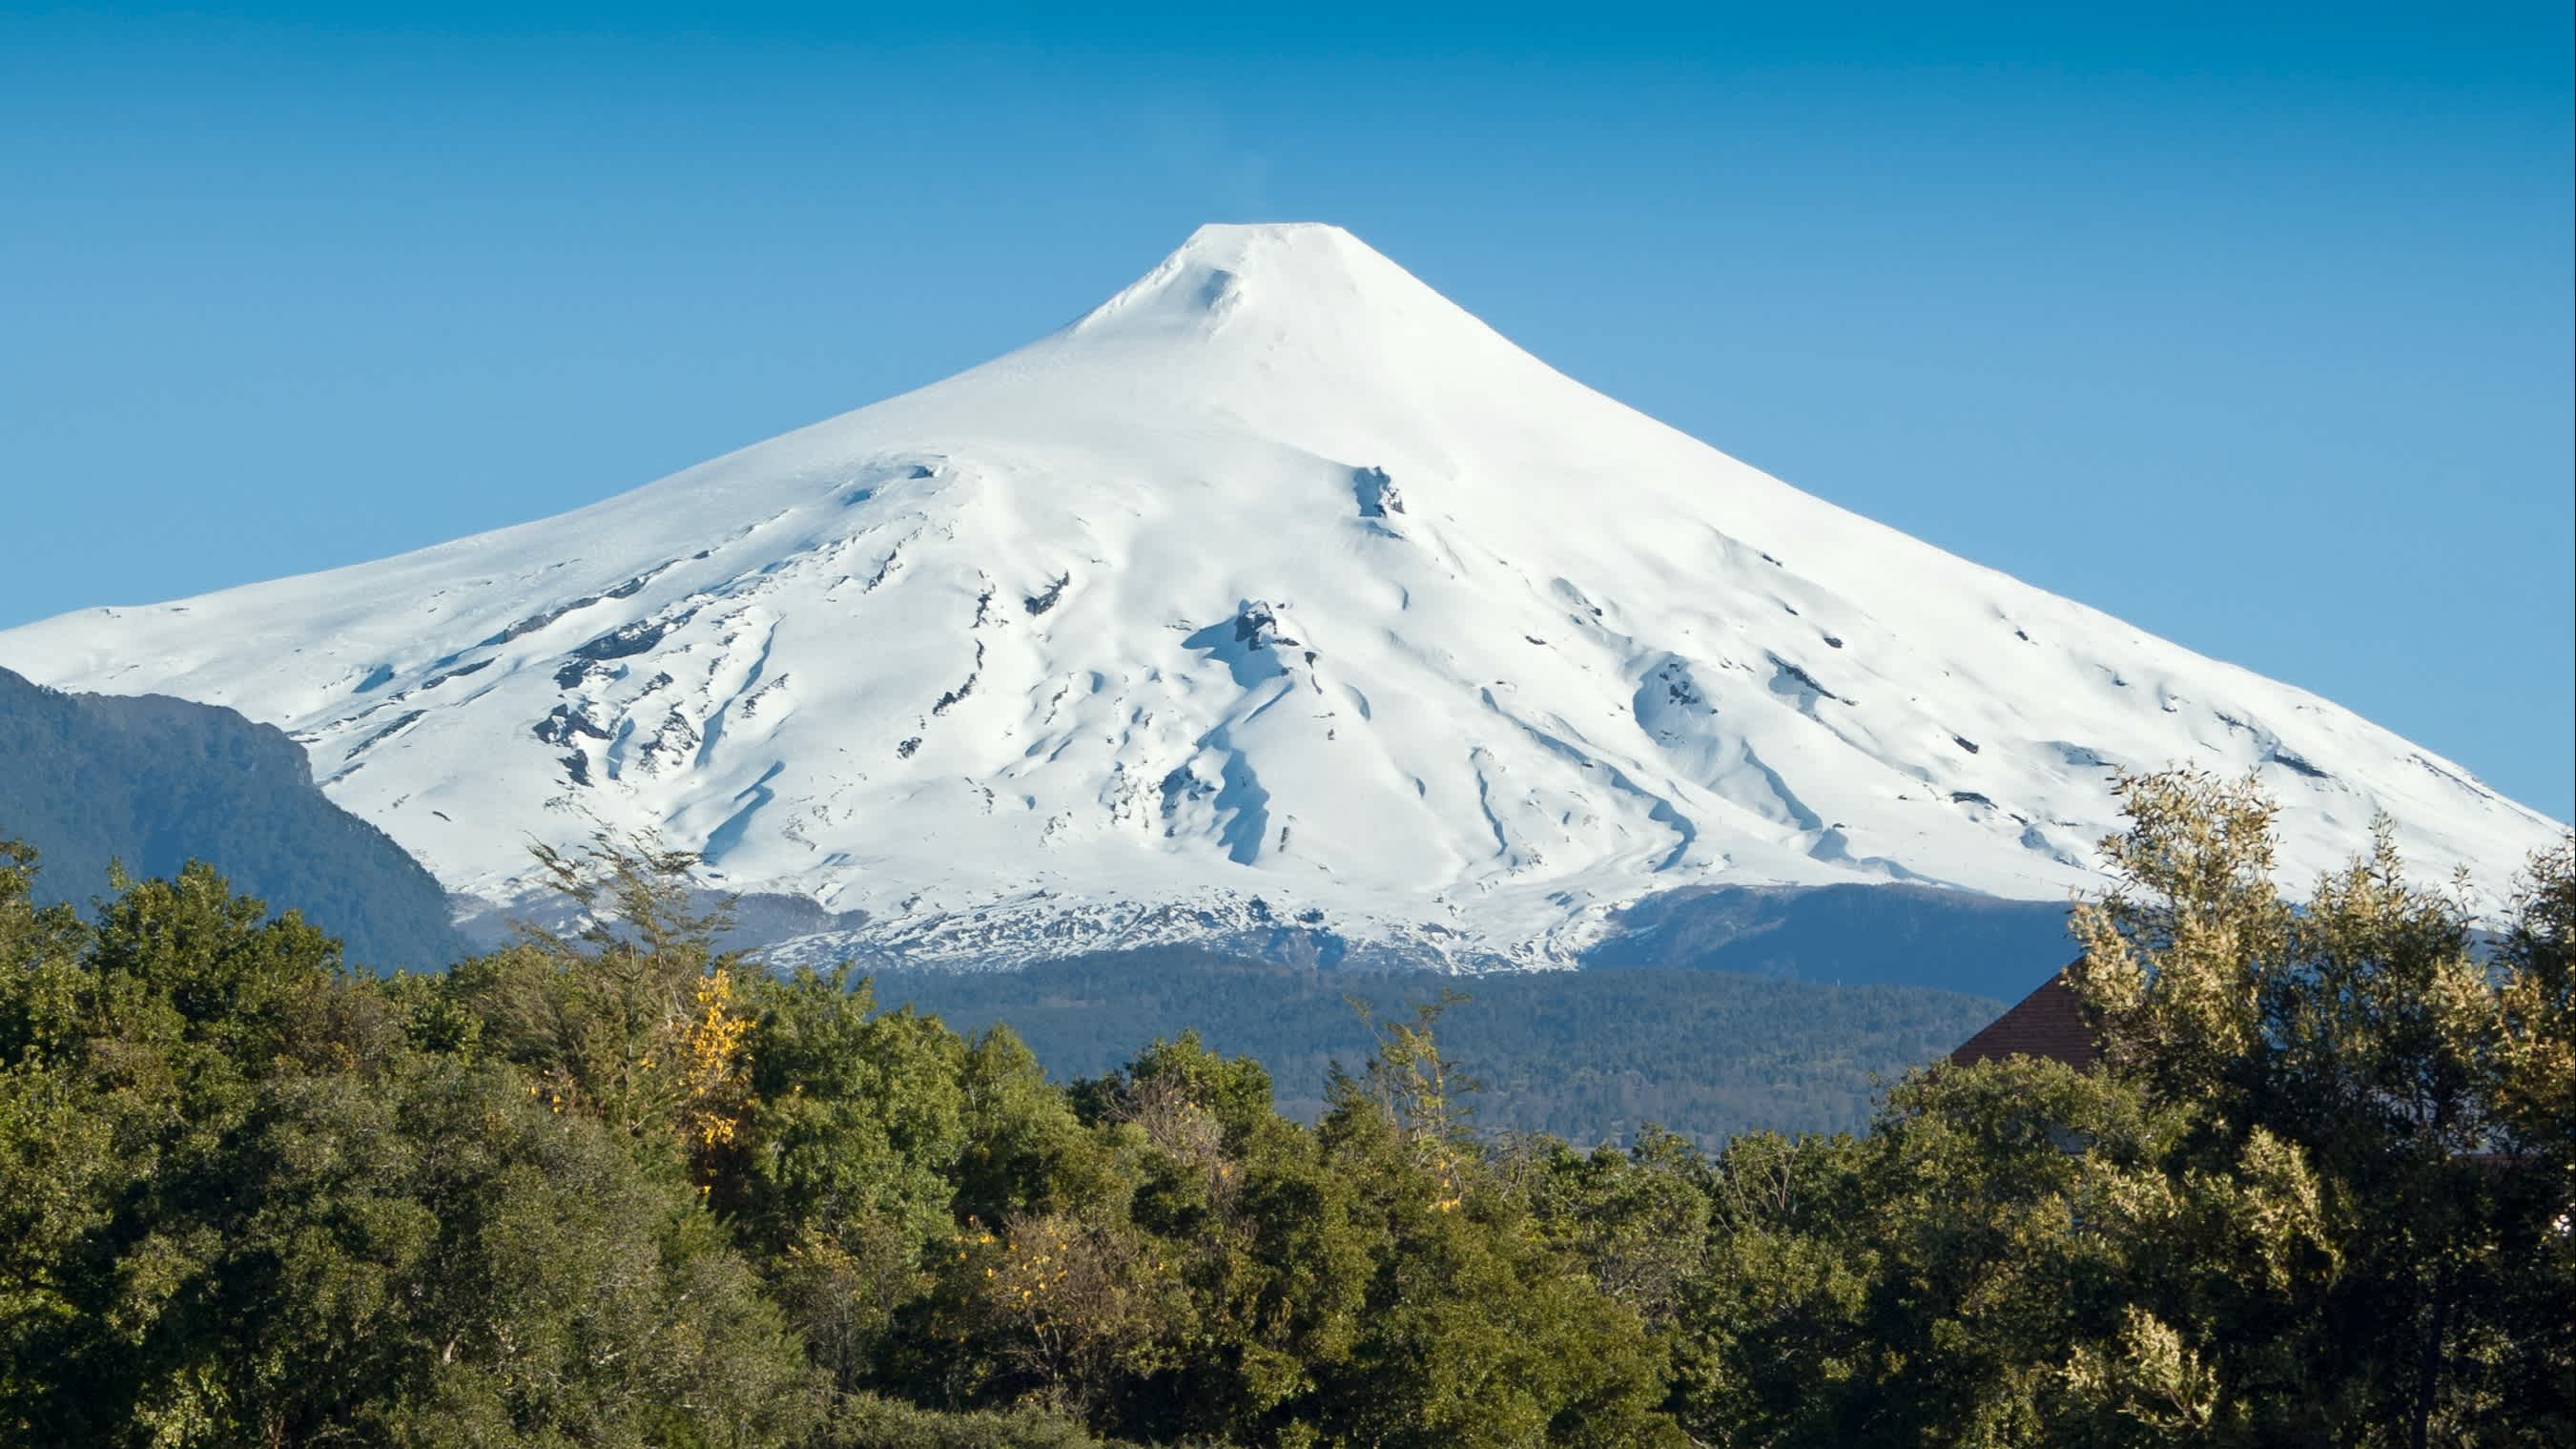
(1376, 493)
(635, 585)
(563, 723)
(1256, 627)
(1805, 681)
(459, 672)
(904, 751)
(953, 696)
(893, 561)
(1179, 786)
(534, 622)
(371, 741)
(1678, 684)
(753, 702)
(675, 741)
(2295, 765)
(628, 640)
(1046, 598)
(1249, 644)
(2472, 786)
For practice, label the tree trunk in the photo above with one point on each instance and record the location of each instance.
(2428, 1360)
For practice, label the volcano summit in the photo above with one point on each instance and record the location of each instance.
(1275, 594)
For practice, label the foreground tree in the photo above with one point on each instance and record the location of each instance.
(250, 1209)
(2410, 1075)
(607, 1187)
(630, 1016)
(2317, 1195)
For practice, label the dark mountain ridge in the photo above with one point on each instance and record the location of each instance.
(153, 782)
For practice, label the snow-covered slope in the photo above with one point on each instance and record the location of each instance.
(1275, 592)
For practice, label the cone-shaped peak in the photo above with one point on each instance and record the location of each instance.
(1287, 276)
(1309, 288)
(1277, 586)
(1307, 245)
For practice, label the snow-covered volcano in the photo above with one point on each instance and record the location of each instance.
(1275, 592)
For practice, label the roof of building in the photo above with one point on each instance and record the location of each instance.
(2047, 1023)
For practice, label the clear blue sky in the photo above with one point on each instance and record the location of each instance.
(2250, 324)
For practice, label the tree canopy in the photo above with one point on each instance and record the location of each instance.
(614, 1186)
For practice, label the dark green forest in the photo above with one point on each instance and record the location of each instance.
(151, 783)
(613, 1187)
(1586, 1055)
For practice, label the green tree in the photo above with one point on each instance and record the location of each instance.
(251, 1210)
(1026, 1149)
(1262, 1235)
(1637, 1220)
(1475, 1330)
(2364, 1034)
(2308, 1200)
(850, 1145)
(632, 1016)
(1770, 1337)
(2532, 1095)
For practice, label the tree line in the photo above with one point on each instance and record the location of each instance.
(613, 1187)
(1589, 1055)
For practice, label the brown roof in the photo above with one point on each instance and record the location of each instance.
(2047, 1023)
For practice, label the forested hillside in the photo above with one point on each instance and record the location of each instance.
(1889, 934)
(156, 782)
(1585, 1055)
(612, 1189)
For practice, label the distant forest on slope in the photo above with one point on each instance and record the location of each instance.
(153, 782)
(1590, 1056)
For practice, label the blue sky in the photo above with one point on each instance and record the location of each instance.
(2248, 324)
